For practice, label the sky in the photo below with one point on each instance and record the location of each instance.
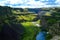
(30, 3)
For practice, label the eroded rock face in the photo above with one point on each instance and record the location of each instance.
(12, 32)
(56, 38)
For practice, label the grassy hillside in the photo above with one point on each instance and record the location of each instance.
(10, 15)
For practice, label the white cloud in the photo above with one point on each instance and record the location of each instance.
(27, 3)
(58, 1)
(15, 1)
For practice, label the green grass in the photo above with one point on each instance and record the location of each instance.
(31, 31)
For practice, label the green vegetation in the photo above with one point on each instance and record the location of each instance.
(31, 31)
(17, 17)
(26, 18)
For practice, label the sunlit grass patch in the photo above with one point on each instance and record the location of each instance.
(31, 31)
(27, 24)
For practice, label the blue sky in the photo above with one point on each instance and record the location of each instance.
(30, 3)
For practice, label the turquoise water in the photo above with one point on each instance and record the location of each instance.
(41, 35)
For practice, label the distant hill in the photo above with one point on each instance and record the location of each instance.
(6, 9)
(35, 10)
(18, 9)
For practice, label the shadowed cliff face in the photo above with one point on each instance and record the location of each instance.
(12, 32)
(5, 10)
